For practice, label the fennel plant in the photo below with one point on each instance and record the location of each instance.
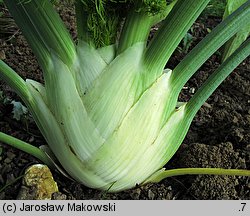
(108, 109)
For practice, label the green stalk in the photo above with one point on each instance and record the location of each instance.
(195, 171)
(217, 78)
(43, 29)
(174, 28)
(14, 81)
(28, 148)
(138, 25)
(209, 45)
(81, 21)
(136, 29)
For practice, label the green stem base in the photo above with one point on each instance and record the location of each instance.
(162, 174)
(26, 147)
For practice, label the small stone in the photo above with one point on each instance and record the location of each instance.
(248, 118)
(151, 194)
(7, 160)
(10, 155)
(235, 119)
(58, 196)
(135, 194)
(31, 139)
(40, 182)
(192, 90)
(10, 178)
(2, 55)
(207, 105)
(248, 148)
(248, 185)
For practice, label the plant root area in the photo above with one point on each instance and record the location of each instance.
(218, 137)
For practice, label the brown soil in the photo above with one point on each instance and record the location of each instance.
(219, 135)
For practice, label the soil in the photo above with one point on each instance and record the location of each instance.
(218, 137)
